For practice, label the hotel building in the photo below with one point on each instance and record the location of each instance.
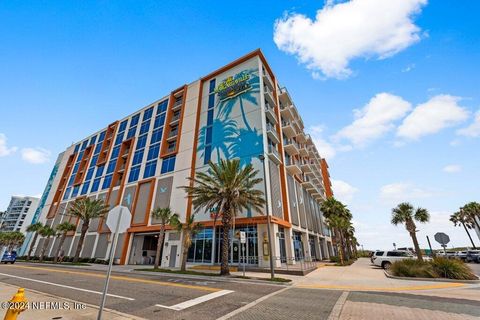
(19, 214)
(238, 111)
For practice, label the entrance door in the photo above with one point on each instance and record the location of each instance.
(236, 251)
(173, 257)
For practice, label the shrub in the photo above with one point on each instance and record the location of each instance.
(413, 268)
(453, 269)
(335, 259)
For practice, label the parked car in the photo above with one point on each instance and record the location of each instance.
(473, 256)
(385, 259)
(374, 254)
(9, 257)
(461, 255)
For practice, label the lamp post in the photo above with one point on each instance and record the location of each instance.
(269, 233)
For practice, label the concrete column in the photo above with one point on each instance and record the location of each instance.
(317, 248)
(289, 248)
(306, 245)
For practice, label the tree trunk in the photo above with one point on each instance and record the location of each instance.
(224, 270)
(60, 245)
(80, 242)
(35, 235)
(417, 247)
(339, 247)
(469, 236)
(184, 254)
(349, 247)
(44, 248)
(159, 246)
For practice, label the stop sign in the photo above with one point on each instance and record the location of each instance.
(120, 216)
(442, 238)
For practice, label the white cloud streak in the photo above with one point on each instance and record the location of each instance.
(35, 155)
(5, 150)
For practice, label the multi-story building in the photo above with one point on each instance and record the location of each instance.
(19, 213)
(140, 161)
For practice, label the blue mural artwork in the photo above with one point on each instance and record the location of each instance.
(234, 138)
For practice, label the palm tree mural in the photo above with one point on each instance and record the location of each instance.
(227, 130)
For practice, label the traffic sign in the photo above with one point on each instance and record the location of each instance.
(243, 237)
(442, 238)
(120, 215)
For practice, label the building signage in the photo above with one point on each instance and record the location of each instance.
(233, 86)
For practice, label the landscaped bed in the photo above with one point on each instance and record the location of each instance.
(436, 268)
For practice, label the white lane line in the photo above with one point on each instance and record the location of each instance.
(193, 302)
(68, 287)
(251, 304)
(337, 308)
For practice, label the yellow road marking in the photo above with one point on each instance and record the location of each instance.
(124, 278)
(362, 288)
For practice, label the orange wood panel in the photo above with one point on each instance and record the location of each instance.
(149, 201)
(83, 166)
(107, 143)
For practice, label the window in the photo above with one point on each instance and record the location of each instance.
(134, 173)
(84, 145)
(150, 168)
(100, 171)
(147, 115)
(144, 127)
(141, 142)
(208, 136)
(171, 146)
(134, 121)
(153, 151)
(94, 161)
(95, 185)
(107, 182)
(76, 148)
(98, 147)
(159, 121)
(162, 106)
(75, 191)
(92, 140)
(119, 138)
(67, 193)
(115, 152)
(208, 154)
(211, 100)
(168, 164)
(122, 126)
(90, 173)
(137, 157)
(72, 179)
(156, 136)
(379, 253)
(131, 132)
(85, 187)
(111, 166)
(212, 86)
(75, 168)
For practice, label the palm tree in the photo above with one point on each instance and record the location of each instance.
(340, 224)
(86, 209)
(462, 218)
(166, 217)
(46, 232)
(190, 229)
(334, 208)
(226, 189)
(472, 209)
(11, 239)
(405, 213)
(35, 227)
(62, 229)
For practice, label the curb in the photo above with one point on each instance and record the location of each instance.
(178, 275)
(431, 279)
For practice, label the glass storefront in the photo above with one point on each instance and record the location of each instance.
(313, 252)
(235, 254)
(298, 245)
(281, 241)
(201, 249)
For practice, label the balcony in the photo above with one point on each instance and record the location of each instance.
(272, 133)
(303, 149)
(269, 96)
(290, 146)
(273, 154)
(305, 165)
(175, 119)
(270, 113)
(292, 166)
(288, 129)
(301, 138)
(267, 80)
(307, 183)
(172, 135)
(177, 105)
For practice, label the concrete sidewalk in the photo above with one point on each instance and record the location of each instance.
(52, 307)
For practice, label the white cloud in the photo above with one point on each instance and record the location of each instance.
(409, 68)
(452, 168)
(35, 155)
(439, 112)
(402, 191)
(375, 119)
(345, 31)
(325, 149)
(4, 149)
(472, 130)
(343, 191)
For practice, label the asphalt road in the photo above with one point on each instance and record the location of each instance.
(475, 268)
(139, 294)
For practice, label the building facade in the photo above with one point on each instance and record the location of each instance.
(140, 161)
(19, 214)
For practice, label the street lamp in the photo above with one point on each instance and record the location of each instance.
(269, 233)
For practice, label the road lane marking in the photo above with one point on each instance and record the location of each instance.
(194, 302)
(65, 286)
(337, 308)
(251, 304)
(124, 278)
(362, 288)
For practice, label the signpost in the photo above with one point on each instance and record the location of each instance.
(443, 239)
(118, 221)
(243, 242)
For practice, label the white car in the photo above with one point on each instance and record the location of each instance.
(385, 259)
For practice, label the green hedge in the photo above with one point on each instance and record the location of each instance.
(437, 268)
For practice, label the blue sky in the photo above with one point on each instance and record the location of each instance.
(70, 68)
